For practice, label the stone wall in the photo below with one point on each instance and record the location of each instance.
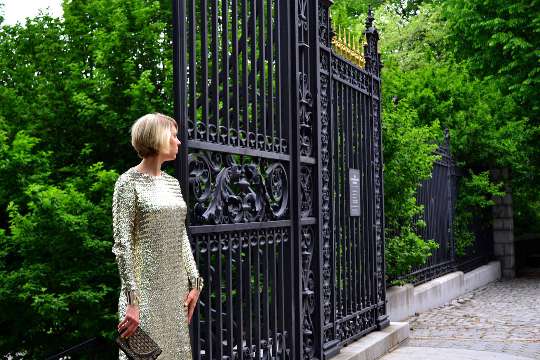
(405, 301)
(503, 226)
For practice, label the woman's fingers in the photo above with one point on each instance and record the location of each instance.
(189, 299)
(130, 330)
(191, 309)
(128, 326)
(191, 303)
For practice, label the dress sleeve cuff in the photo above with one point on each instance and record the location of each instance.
(196, 283)
(132, 297)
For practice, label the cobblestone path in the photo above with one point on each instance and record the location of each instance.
(502, 317)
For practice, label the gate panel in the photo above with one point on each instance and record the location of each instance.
(354, 304)
(236, 174)
(279, 132)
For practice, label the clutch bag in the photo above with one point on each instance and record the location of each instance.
(139, 346)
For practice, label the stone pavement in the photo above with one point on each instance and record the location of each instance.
(501, 318)
(428, 353)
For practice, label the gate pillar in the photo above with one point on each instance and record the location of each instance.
(373, 67)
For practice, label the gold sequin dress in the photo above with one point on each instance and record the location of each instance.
(154, 257)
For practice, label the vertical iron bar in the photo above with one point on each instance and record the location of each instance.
(275, 291)
(245, 72)
(192, 73)
(281, 291)
(262, 78)
(266, 290)
(339, 169)
(239, 300)
(347, 162)
(352, 232)
(337, 196)
(270, 46)
(219, 302)
(363, 197)
(344, 199)
(249, 292)
(214, 89)
(369, 192)
(208, 351)
(373, 242)
(342, 118)
(225, 66)
(279, 74)
(334, 195)
(253, 68)
(236, 80)
(196, 321)
(258, 319)
(229, 292)
(179, 81)
(204, 57)
(356, 134)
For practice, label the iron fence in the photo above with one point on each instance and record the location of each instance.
(480, 252)
(438, 195)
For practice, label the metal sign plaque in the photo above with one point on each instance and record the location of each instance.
(354, 193)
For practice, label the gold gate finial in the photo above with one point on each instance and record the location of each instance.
(346, 45)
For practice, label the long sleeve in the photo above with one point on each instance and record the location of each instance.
(124, 208)
(187, 257)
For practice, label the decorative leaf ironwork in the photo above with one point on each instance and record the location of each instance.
(225, 191)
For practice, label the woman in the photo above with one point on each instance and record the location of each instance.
(159, 278)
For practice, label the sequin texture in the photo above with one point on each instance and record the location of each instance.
(154, 257)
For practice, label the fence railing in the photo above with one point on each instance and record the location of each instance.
(481, 251)
(92, 349)
(438, 195)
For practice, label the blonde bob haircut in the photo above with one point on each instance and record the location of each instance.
(150, 134)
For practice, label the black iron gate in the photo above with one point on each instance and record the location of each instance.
(281, 166)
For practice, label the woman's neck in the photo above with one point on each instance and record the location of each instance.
(150, 165)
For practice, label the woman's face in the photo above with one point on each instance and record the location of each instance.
(171, 152)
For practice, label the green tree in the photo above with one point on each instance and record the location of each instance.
(408, 159)
(500, 41)
(409, 142)
(57, 274)
(69, 91)
(443, 91)
(484, 133)
(475, 194)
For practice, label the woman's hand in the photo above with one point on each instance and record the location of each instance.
(191, 302)
(130, 323)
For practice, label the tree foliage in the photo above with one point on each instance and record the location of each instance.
(430, 68)
(57, 274)
(475, 195)
(70, 89)
(502, 45)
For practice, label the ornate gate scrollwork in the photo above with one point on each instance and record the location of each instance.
(229, 192)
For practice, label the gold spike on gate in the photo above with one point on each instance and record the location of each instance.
(345, 44)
